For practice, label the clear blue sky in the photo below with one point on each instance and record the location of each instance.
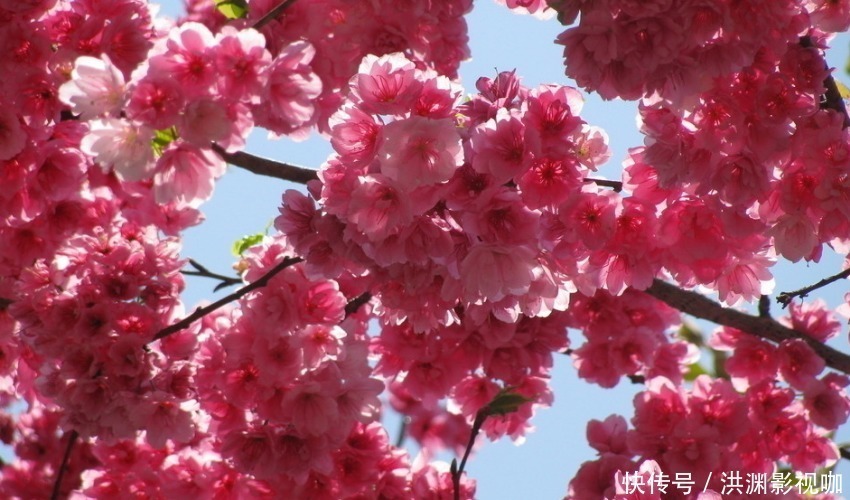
(542, 467)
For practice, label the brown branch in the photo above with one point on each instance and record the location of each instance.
(63, 467)
(832, 97)
(4, 303)
(203, 311)
(356, 302)
(764, 306)
(764, 327)
(267, 167)
(457, 471)
(785, 298)
(270, 15)
(845, 453)
(203, 272)
(616, 185)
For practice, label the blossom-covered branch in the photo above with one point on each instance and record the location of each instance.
(203, 311)
(702, 307)
(785, 298)
(302, 175)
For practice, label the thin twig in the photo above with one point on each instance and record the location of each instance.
(845, 453)
(270, 15)
(402, 432)
(785, 298)
(4, 303)
(203, 311)
(206, 273)
(616, 185)
(767, 328)
(457, 472)
(63, 467)
(267, 167)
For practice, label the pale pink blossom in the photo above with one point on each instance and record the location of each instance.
(121, 146)
(287, 99)
(95, 90)
(186, 174)
(385, 85)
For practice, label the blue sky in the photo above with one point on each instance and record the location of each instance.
(540, 468)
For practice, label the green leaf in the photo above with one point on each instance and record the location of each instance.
(245, 242)
(505, 402)
(162, 138)
(690, 333)
(694, 371)
(232, 9)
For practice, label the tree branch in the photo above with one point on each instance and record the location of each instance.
(267, 167)
(270, 15)
(356, 302)
(785, 298)
(764, 327)
(63, 467)
(764, 306)
(203, 272)
(4, 303)
(203, 311)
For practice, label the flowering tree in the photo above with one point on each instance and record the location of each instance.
(433, 264)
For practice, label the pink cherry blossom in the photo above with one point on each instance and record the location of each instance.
(121, 146)
(419, 151)
(186, 174)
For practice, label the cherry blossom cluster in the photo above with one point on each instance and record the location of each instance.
(63, 309)
(431, 33)
(86, 317)
(627, 335)
(286, 382)
(777, 406)
(105, 133)
(195, 89)
(740, 151)
(43, 180)
(756, 144)
(287, 402)
(473, 231)
(630, 49)
(424, 194)
(38, 446)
